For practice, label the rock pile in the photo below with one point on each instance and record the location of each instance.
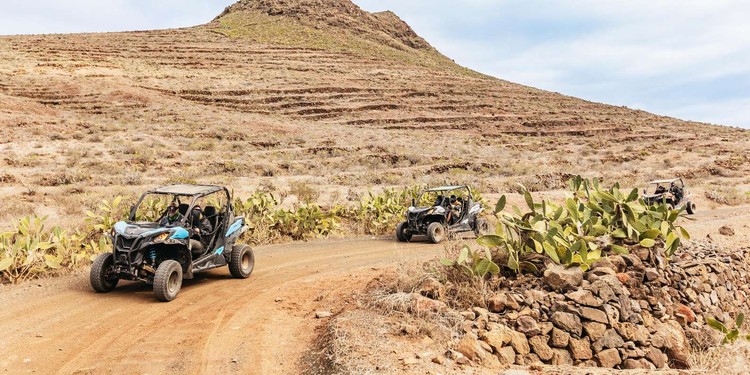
(627, 312)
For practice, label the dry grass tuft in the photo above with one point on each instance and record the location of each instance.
(726, 359)
(350, 345)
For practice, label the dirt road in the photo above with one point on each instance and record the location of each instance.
(262, 325)
(217, 324)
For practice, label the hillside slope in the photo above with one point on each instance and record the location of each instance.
(274, 92)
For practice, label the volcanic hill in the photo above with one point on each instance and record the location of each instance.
(274, 93)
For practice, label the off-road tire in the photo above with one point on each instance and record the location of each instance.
(436, 232)
(481, 227)
(690, 208)
(98, 275)
(168, 280)
(243, 262)
(401, 234)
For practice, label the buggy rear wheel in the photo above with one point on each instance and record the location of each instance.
(436, 232)
(243, 262)
(99, 277)
(690, 208)
(168, 280)
(401, 232)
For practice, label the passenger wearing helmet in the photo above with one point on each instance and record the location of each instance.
(201, 228)
(201, 225)
(172, 216)
(676, 191)
(455, 210)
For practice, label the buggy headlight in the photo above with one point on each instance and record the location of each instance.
(161, 237)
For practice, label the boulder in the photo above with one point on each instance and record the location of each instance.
(675, 342)
(545, 328)
(561, 357)
(497, 338)
(584, 297)
(540, 346)
(469, 346)
(594, 330)
(607, 263)
(640, 363)
(656, 357)
(610, 340)
(632, 332)
(533, 359)
(651, 274)
(519, 343)
(506, 356)
(421, 304)
(602, 289)
(560, 278)
(528, 326)
(726, 230)
(500, 302)
(580, 349)
(594, 315)
(560, 338)
(608, 358)
(568, 322)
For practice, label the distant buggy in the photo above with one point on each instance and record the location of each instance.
(441, 211)
(163, 255)
(673, 192)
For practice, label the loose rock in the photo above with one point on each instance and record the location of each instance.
(608, 358)
(560, 278)
(567, 322)
(539, 344)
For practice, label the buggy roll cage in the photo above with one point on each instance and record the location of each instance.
(195, 192)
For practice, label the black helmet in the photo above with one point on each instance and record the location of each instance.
(453, 199)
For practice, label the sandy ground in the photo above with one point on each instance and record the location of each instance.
(261, 325)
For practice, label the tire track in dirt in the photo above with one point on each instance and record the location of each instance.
(216, 325)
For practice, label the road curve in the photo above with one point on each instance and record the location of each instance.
(216, 325)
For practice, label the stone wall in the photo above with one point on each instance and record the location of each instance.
(626, 312)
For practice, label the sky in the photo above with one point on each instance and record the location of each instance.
(688, 59)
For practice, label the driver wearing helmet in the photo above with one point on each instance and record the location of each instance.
(172, 215)
(438, 201)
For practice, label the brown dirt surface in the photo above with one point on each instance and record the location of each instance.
(217, 325)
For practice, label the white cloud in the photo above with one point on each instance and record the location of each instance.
(657, 53)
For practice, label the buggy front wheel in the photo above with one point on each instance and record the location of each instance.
(168, 280)
(243, 262)
(436, 232)
(690, 208)
(100, 276)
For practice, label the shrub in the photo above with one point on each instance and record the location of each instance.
(592, 222)
(379, 213)
(31, 250)
(308, 221)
